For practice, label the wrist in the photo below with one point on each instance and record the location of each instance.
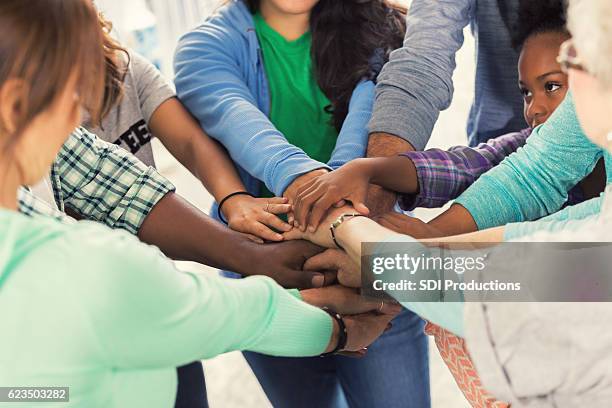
(247, 257)
(348, 228)
(335, 337)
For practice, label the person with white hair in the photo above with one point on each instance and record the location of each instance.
(532, 354)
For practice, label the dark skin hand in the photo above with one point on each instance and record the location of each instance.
(381, 200)
(183, 232)
(351, 183)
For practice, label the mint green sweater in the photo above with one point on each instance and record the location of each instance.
(96, 310)
(533, 182)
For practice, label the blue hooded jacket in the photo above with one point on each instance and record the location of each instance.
(221, 78)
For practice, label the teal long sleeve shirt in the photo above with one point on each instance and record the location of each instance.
(533, 182)
(95, 310)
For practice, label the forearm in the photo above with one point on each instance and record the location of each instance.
(183, 232)
(454, 221)
(488, 236)
(397, 173)
(205, 158)
(381, 200)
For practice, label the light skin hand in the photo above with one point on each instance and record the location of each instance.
(257, 217)
(322, 235)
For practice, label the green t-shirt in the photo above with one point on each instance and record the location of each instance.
(297, 103)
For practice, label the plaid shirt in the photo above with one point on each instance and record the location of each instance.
(101, 182)
(444, 174)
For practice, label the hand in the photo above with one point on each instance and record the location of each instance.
(291, 191)
(363, 330)
(314, 198)
(257, 216)
(284, 261)
(404, 224)
(348, 272)
(347, 301)
(322, 235)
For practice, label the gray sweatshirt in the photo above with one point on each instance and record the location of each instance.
(416, 84)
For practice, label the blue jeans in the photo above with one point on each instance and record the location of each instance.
(191, 390)
(394, 373)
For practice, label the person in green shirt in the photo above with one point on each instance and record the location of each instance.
(95, 310)
(288, 87)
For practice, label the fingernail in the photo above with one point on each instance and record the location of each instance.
(318, 281)
(311, 228)
(279, 237)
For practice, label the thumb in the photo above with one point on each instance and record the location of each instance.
(293, 234)
(326, 260)
(308, 280)
(358, 201)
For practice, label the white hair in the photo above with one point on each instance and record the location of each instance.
(590, 22)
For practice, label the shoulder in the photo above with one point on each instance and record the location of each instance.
(229, 24)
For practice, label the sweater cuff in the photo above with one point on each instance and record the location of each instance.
(305, 330)
(495, 210)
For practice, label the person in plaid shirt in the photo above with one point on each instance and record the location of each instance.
(100, 181)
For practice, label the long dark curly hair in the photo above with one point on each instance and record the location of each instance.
(351, 41)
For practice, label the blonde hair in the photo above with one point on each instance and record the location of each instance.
(590, 22)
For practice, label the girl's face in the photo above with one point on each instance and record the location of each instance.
(541, 80)
(290, 6)
(593, 106)
(42, 138)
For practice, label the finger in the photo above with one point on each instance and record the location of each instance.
(291, 216)
(264, 232)
(319, 210)
(358, 200)
(278, 208)
(340, 204)
(254, 238)
(304, 203)
(390, 308)
(277, 200)
(330, 277)
(327, 260)
(273, 221)
(305, 280)
(361, 208)
(369, 327)
(293, 234)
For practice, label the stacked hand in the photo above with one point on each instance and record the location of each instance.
(365, 318)
(315, 197)
(257, 217)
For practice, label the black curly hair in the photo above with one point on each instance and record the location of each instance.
(535, 17)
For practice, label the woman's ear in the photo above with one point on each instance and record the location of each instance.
(12, 104)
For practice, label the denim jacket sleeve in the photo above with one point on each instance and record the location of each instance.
(416, 84)
(210, 81)
(352, 141)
